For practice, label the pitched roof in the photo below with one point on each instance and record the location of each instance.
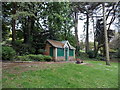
(59, 44)
(56, 43)
(71, 47)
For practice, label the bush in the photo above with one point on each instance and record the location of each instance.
(83, 54)
(91, 54)
(32, 57)
(8, 53)
(41, 51)
(17, 42)
(47, 58)
(36, 57)
(23, 49)
(23, 58)
(99, 58)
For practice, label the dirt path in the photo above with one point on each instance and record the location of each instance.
(13, 64)
(18, 67)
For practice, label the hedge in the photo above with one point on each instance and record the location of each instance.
(32, 57)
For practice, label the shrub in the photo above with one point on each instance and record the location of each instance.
(32, 57)
(31, 50)
(91, 54)
(17, 42)
(83, 54)
(99, 58)
(41, 51)
(23, 58)
(47, 58)
(23, 49)
(8, 53)
(36, 57)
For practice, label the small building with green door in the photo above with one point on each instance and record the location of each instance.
(60, 50)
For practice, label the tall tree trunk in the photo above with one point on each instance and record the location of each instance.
(96, 50)
(94, 36)
(104, 50)
(76, 33)
(87, 35)
(94, 46)
(106, 37)
(14, 22)
(32, 25)
(27, 30)
(13, 31)
(65, 34)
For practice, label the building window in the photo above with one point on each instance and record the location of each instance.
(60, 51)
(51, 51)
(71, 52)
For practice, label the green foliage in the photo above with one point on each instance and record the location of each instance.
(41, 51)
(5, 31)
(23, 14)
(23, 58)
(91, 45)
(112, 50)
(56, 23)
(47, 58)
(23, 49)
(8, 53)
(6, 43)
(18, 42)
(19, 34)
(82, 55)
(99, 58)
(32, 57)
(69, 36)
(91, 54)
(36, 57)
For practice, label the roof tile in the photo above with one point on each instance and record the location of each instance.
(58, 43)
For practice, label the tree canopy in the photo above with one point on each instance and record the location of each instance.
(30, 24)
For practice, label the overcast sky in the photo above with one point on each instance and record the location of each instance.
(81, 34)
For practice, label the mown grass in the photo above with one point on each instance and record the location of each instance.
(68, 75)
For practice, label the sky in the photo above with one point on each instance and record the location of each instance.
(81, 34)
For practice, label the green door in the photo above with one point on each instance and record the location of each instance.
(66, 54)
(51, 51)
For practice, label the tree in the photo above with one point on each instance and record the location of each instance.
(99, 32)
(106, 37)
(76, 30)
(87, 10)
(6, 21)
(14, 7)
(34, 23)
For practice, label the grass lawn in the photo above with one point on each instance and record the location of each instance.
(94, 74)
